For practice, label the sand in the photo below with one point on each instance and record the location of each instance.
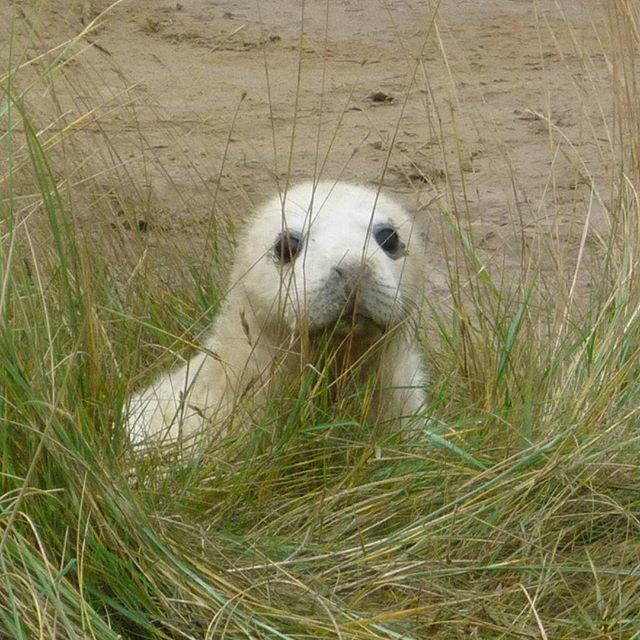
(496, 114)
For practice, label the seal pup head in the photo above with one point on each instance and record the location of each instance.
(330, 257)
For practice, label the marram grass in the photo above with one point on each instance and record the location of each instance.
(515, 515)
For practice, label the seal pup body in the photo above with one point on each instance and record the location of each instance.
(328, 269)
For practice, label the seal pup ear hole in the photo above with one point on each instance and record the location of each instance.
(286, 247)
(388, 239)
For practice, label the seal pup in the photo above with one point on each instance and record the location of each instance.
(332, 267)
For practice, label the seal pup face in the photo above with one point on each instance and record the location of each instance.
(331, 257)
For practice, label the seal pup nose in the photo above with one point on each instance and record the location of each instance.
(351, 271)
(349, 278)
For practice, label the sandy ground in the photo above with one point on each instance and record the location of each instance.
(497, 111)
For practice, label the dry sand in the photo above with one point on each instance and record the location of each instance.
(497, 110)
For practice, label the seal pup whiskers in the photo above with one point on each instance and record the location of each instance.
(332, 262)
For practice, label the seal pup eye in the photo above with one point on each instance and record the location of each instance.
(286, 247)
(387, 237)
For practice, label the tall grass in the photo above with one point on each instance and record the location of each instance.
(516, 515)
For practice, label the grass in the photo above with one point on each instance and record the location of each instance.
(517, 516)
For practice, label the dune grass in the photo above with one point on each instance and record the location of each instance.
(517, 515)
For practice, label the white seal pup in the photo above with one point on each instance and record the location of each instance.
(332, 264)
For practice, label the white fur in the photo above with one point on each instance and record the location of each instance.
(272, 311)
